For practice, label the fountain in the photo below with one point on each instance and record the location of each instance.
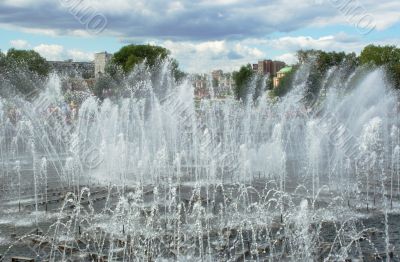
(157, 175)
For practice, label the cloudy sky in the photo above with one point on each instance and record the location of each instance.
(203, 34)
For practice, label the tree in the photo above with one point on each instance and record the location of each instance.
(153, 56)
(29, 58)
(248, 84)
(215, 83)
(387, 56)
(2, 59)
(242, 79)
(178, 74)
(106, 86)
(380, 55)
(22, 71)
(285, 84)
(129, 56)
(394, 74)
(320, 62)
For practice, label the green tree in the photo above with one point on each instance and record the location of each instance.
(153, 56)
(387, 56)
(129, 56)
(29, 58)
(394, 74)
(2, 59)
(242, 79)
(215, 83)
(285, 84)
(23, 72)
(178, 74)
(248, 84)
(320, 62)
(106, 86)
(380, 55)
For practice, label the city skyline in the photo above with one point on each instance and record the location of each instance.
(202, 36)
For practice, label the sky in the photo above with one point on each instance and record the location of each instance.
(202, 35)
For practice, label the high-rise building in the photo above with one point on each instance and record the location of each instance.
(269, 67)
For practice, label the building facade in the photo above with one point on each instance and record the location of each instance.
(73, 69)
(269, 67)
(217, 75)
(100, 62)
(281, 74)
(222, 83)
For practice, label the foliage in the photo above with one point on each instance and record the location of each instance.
(215, 83)
(118, 78)
(22, 72)
(394, 74)
(247, 83)
(380, 55)
(320, 62)
(31, 59)
(114, 70)
(2, 59)
(129, 56)
(178, 74)
(242, 79)
(387, 56)
(285, 84)
(153, 56)
(106, 86)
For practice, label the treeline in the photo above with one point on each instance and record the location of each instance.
(320, 62)
(23, 71)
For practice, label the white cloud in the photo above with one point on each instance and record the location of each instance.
(340, 42)
(175, 6)
(248, 51)
(288, 58)
(41, 31)
(50, 52)
(362, 15)
(19, 44)
(20, 3)
(78, 55)
(80, 33)
(60, 53)
(205, 56)
(215, 47)
(211, 47)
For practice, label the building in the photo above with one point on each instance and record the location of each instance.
(100, 62)
(269, 67)
(201, 86)
(281, 74)
(217, 75)
(255, 68)
(73, 69)
(222, 84)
